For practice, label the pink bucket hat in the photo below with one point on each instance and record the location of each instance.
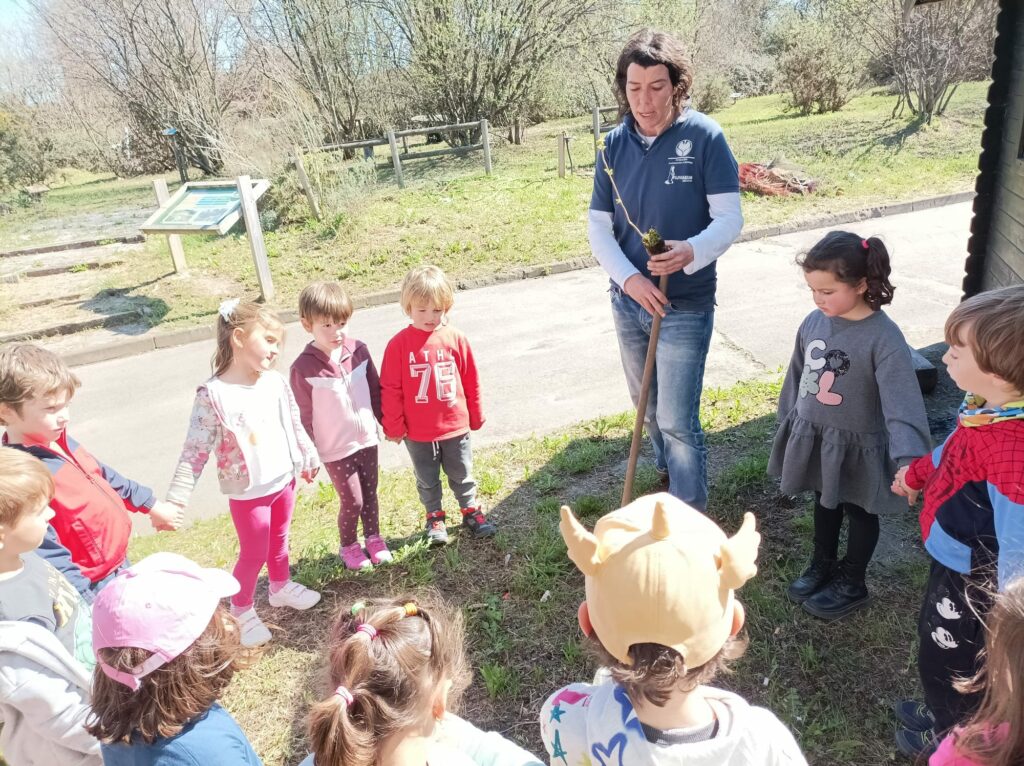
(162, 604)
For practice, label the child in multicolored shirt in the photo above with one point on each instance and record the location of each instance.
(431, 399)
(338, 392)
(661, 615)
(972, 519)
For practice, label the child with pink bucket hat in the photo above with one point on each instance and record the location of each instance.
(661, 615)
(166, 647)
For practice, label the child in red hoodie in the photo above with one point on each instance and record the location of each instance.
(430, 396)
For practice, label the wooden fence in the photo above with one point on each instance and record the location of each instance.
(391, 139)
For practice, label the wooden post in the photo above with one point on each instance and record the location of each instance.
(395, 160)
(486, 141)
(641, 405)
(173, 240)
(304, 181)
(597, 130)
(255, 234)
(561, 155)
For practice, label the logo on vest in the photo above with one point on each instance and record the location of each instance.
(676, 169)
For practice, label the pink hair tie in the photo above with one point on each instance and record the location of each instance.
(368, 630)
(864, 244)
(346, 695)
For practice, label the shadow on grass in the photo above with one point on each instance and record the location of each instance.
(833, 683)
(129, 313)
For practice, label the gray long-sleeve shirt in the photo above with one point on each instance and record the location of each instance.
(850, 412)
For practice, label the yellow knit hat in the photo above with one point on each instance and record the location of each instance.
(661, 572)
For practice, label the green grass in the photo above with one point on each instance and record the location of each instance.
(474, 225)
(832, 683)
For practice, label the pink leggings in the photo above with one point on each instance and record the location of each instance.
(262, 525)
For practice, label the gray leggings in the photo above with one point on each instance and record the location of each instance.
(456, 457)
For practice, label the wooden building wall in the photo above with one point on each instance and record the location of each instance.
(1004, 260)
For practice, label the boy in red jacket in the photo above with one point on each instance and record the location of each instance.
(88, 536)
(430, 396)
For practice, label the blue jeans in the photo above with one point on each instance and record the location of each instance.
(673, 407)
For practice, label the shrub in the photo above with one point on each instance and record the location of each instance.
(816, 73)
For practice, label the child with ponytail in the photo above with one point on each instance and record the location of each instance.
(850, 413)
(394, 667)
(246, 416)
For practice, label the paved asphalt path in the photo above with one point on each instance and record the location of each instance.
(545, 347)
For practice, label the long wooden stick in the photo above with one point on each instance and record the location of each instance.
(641, 404)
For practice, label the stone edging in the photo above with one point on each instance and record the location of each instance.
(130, 239)
(134, 346)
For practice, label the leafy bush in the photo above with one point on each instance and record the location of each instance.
(816, 72)
(711, 92)
(25, 156)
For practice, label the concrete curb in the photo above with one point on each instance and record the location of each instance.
(131, 239)
(180, 337)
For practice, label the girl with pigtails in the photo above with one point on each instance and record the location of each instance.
(394, 667)
(850, 414)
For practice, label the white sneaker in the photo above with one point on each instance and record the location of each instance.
(295, 595)
(253, 631)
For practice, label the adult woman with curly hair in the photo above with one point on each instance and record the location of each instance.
(673, 171)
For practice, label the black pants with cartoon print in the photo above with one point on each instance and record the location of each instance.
(952, 636)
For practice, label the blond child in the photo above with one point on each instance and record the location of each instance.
(45, 641)
(430, 395)
(661, 615)
(337, 390)
(246, 416)
(395, 668)
(972, 518)
(88, 535)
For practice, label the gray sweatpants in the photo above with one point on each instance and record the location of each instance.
(456, 457)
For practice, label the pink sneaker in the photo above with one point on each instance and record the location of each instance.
(354, 557)
(378, 550)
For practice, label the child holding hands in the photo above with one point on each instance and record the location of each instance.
(850, 413)
(972, 517)
(87, 540)
(338, 392)
(431, 399)
(246, 416)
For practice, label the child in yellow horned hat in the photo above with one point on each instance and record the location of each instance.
(661, 614)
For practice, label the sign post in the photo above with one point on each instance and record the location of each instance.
(173, 240)
(255, 233)
(213, 207)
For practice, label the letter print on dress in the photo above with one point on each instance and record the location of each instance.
(820, 372)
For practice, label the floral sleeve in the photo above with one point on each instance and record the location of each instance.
(199, 444)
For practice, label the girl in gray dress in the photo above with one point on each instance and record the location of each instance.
(850, 414)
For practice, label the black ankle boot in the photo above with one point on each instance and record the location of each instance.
(847, 592)
(814, 578)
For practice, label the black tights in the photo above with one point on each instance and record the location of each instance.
(861, 538)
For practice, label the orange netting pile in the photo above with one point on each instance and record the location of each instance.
(775, 179)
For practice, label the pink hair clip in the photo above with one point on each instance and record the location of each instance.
(346, 695)
(864, 244)
(368, 630)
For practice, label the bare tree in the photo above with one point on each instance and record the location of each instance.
(166, 63)
(484, 58)
(329, 49)
(930, 49)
